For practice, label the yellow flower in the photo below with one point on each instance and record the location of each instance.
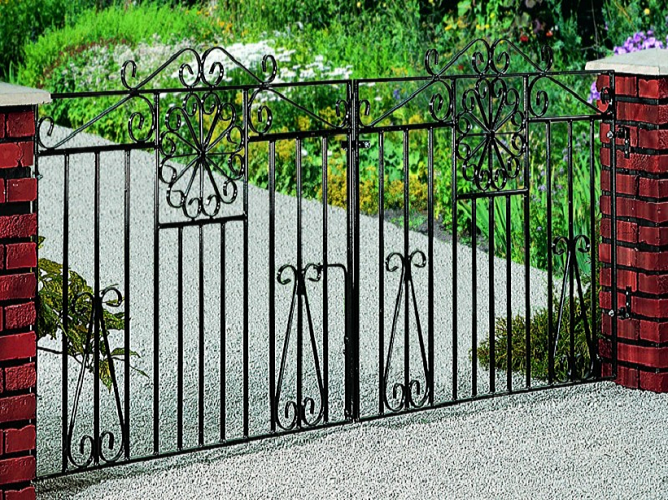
(303, 123)
(646, 12)
(492, 15)
(359, 4)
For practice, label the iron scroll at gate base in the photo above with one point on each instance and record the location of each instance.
(471, 129)
(403, 391)
(97, 331)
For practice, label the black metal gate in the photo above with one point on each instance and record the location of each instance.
(232, 300)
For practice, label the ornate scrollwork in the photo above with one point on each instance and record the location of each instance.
(299, 413)
(207, 70)
(579, 366)
(204, 136)
(138, 130)
(92, 447)
(488, 59)
(490, 139)
(404, 397)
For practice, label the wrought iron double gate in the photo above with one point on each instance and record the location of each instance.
(232, 300)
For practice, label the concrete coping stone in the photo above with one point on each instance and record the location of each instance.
(16, 95)
(650, 62)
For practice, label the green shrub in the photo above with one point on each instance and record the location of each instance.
(105, 29)
(23, 21)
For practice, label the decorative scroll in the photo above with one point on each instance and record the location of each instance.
(490, 140)
(487, 61)
(403, 397)
(577, 367)
(141, 124)
(91, 447)
(203, 135)
(299, 412)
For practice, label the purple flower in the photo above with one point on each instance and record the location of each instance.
(594, 94)
(639, 41)
(396, 94)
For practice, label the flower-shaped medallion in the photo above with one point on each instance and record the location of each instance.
(202, 136)
(490, 134)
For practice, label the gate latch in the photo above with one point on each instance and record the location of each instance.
(622, 133)
(624, 312)
(362, 144)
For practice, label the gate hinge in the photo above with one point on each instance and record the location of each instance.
(362, 144)
(624, 312)
(606, 95)
(622, 133)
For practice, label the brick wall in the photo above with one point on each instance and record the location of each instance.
(18, 259)
(642, 232)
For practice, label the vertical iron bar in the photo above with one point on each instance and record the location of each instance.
(574, 261)
(325, 294)
(381, 273)
(300, 283)
(550, 265)
(95, 310)
(66, 306)
(430, 258)
(492, 252)
(474, 302)
(272, 285)
(200, 382)
(179, 346)
(245, 259)
(352, 224)
(454, 247)
(594, 243)
(527, 230)
(126, 341)
(156, 283)
(407, 270)
(509, 312)
(223, 331)
(492, 299)
(356, 261)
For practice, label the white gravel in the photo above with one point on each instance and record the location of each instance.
(596, 441)
(524, 446)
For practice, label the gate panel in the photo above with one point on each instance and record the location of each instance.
(238, 263)
(512, 150)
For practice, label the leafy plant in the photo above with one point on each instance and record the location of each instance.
(52, 316)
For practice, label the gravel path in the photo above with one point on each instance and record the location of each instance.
(597, 441)
(443, 434)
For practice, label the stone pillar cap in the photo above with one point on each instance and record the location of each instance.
(650, 62)
(16, 95)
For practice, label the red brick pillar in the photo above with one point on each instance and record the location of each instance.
(641, 105)
(18, 287)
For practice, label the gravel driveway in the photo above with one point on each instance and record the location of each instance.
(596, 441)
(367, 461)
